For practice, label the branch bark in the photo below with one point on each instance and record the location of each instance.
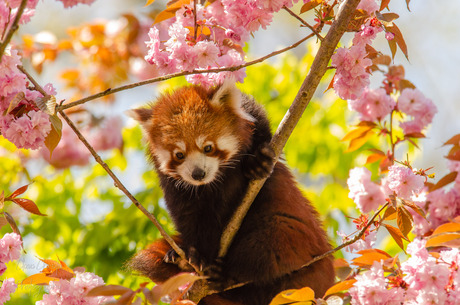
(293, 115)
(14, 27)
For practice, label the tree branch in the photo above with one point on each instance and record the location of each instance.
(184, 73)
(293, 115)
(303, 22)
(351, 241)
(14, 27)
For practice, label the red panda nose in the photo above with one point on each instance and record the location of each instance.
(198, 174)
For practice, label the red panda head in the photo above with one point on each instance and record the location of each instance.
(194, 132)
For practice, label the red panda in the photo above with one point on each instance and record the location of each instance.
(206, 145)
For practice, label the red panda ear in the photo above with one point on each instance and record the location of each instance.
(142, 115)
(228, 95)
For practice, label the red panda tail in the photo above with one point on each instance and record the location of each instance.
(150, 262)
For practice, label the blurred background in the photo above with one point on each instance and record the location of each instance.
(91, 224)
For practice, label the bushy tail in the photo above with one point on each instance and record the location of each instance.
(150, 262)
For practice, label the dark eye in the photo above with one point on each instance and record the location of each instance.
(180, 155)
(207, 148)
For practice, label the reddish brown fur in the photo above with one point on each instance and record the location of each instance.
(281, 231)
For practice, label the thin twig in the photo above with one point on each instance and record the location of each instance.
(169, 76)
(120, 185)
(303, 22)
(346, 244)
(293, 115)
(14, 27)
(117, 181)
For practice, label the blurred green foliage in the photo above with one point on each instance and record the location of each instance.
(90, 223)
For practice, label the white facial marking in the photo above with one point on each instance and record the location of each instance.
(197, 161)
(163, 157)
(181, 145)
(200, 141)
(229, 144)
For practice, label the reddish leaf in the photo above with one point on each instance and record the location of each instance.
(449, 227)
(3, 222)
(397, 235)
(404, 84)
(331, 84)
(417, 135)
(384, 4)
(356, 133)
(108, 290)
(341, 286)
(382, 60)
(407, 3)
(444, 181)
(393, 47)
(399, 39)
(441, 239)
(310, 5)
(18, 192)
(12, 224)
(62, 274)
(126, 299)
(414, 207)
(28, 205)
(404, 220)
(455, 140)
(342, 268)
(454, 151)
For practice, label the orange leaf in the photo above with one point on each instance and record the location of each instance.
(357, 133)
(441, 239)
(374, 158)
(149, 2)
(390, 213)
(369, 256)
(358, 142)
(455, 140)
(398, 39)
(51, 266)
(170, 11)
(397, 235)
(310, 5)
(414, 207)
(108, 290)
(393, 47)
(384, 4)
(404, 83)
(449, 227)
(345, 285)
(62, 274)
(3, 222)
(404, 220)
(444, 181)
(38, 279)
(54, 137)
(28, 205)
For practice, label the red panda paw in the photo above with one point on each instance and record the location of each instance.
(260, 165)
(215, 275)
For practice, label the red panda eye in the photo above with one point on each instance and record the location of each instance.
(180, 155)
(207, 148)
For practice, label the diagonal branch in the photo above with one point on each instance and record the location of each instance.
(14, 27)
(184, 73)
(293, 115)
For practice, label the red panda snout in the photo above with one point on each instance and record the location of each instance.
(198, 168)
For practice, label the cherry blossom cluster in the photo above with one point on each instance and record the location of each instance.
(72, 152)
(422, 279)
(223, 27)
(10, 250)
(64, 292)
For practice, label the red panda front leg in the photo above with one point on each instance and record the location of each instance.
(260, 163)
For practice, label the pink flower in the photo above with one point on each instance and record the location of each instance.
(366, 194)
(370, 6)
(371, 289)
(389, 36)
(206, 53)
(74, 291)
(414, 103)
(362, 244)
(442, 206)
(373, 105)
(70, 3)
(10, 247)
(8, 287)
(366, 35)
(108, 136)
(404, 182)
(29, 131)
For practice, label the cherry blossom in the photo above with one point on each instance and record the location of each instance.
(8, 287)
(404, 181)
(413, 103)
(372, 105)
(366, 194)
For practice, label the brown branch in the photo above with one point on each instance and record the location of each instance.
(14, 27)
(115, 179)
(120, 185)
(184, 73)
(346, 244)
(303, 22)
(293, 115)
